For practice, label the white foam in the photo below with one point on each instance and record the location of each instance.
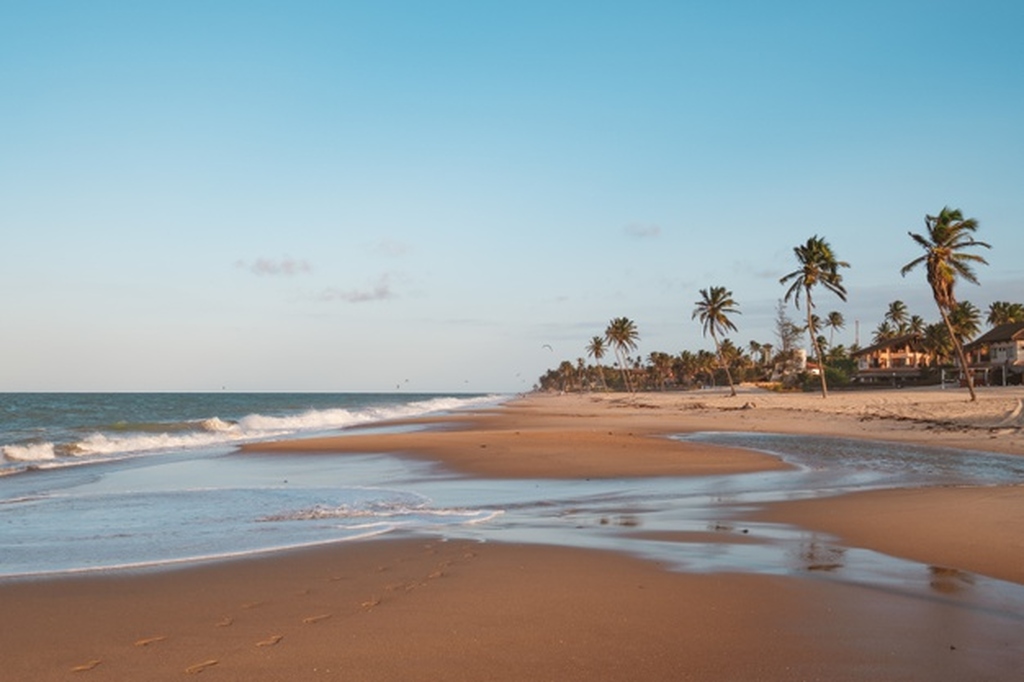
(36, 452)
(214, 431)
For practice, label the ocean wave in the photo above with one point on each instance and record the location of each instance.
(32, 452)
(212, 432)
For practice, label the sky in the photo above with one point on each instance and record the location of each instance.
(456, 196)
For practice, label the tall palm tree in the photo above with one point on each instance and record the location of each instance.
(898, 316)
(946, 259)
(596, 350)
(713, 309)
(834, 320)
(818, 265)
(621, 333)
(916, 325)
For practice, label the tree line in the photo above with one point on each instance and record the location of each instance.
(948, 245)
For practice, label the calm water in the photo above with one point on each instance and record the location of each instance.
(96, 482)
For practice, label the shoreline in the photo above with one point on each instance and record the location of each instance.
(409, 609)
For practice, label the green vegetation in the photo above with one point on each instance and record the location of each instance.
(784, 365)
(818, 265)
(713, 309)
(946, 259)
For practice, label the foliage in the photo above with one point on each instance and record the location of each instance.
(947, 259)
(818, 266)
(713, 309)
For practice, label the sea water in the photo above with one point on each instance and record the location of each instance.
(115, 480)
(53, 430)
(104, 481)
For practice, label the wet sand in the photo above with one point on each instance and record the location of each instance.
(414, 609)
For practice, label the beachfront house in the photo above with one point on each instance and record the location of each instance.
(896, 360)
(997, 357)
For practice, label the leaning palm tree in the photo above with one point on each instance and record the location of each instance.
(818, 265)
(596, 349)
(621, 333)
(946, 259)
(713, 309)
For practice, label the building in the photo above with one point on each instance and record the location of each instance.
(997, 357)
(896, 360)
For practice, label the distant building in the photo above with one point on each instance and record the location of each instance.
(895, 360)
(997, 357)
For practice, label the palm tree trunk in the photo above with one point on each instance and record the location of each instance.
(814, 345)
(960, 354)
(622, 370)
(721, 361)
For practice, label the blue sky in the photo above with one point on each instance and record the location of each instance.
(364, 195)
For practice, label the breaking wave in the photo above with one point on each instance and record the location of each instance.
(127, 438)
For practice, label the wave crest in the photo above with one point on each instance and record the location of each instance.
(34, 452)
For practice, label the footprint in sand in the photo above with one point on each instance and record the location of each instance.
(200, 667)
(89, 665)
(316, 619)
(225, 622)
(371, 602)
(270, 641)
(146, 641)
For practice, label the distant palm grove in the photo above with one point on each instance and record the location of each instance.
(948, 255)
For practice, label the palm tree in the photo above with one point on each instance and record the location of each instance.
(687, 366)
(834, 320)
(713, 309)
(661, 366)
(818, 265)
(706, 363)
(621, 333)
(916, 325)
(966, 320)
(946, 259)
(1004, 312)
(936, 341)
(596, 350)
(897, 315)
(883, 332)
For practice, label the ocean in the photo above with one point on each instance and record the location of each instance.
(99, 482)
(92, 481)
(52, 430)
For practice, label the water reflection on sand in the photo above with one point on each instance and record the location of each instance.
(702, 524)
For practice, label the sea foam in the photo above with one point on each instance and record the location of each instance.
(213, 432)
(34, 452)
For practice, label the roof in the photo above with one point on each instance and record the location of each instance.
(913, 340)
(1012, 331)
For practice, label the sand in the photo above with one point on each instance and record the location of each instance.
(425, 609)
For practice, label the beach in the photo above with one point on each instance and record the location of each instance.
(416, 608)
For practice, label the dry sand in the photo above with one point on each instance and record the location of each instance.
(432, 610)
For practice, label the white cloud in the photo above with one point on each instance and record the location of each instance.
(390, 248)
(381, 291)
(642, 231)
(284, 267)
